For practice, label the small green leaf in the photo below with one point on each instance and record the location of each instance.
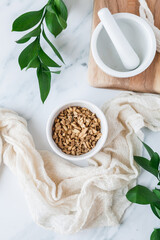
(157, 192)
(36, 32)
(156, 234)
(30, 52)
(155, 160)
(52, 9)
(52, 46)
(52, 24)
(62, 22)
(145, 163)
(155, 210)
(47, 60)
(149, 150)
(44, 78)
(27, 20)
(34, 63)
(141, 195)
(62, 8)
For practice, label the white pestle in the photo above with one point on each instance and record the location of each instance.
(126, 53)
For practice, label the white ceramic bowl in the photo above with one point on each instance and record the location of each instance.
(139, 34)
(92, 108)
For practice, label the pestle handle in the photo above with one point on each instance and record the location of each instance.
(126, 53)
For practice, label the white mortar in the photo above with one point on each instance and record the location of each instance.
(140, 36)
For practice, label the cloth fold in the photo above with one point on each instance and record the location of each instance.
(146, 13)
(65, 197)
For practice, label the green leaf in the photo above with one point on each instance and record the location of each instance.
(157, 192)
(155, 210)
(62, 22)
(155, 160)
(52, 24)
(36, 32)
(47, 60)
(141, 195)
(27, 20)
(149, 150)
(62, 8)
(56, 16)
(44, 78)
(145, 163)
(52, 9)
(52, 46)
(30, 52)
(156, 234)
(34, 63)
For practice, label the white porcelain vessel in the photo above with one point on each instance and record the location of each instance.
(140, 36)
(93, 108)
(125, 51)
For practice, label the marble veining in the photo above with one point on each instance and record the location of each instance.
(19, 91)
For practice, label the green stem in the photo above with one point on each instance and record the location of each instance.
(43, 17)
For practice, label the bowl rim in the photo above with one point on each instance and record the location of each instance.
(91, 153)
(142, 67)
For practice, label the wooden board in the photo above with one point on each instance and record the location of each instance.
(149, 80)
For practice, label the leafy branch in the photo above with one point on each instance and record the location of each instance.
(55, 14)
(142, 195)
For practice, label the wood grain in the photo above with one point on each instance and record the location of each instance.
(149, 80)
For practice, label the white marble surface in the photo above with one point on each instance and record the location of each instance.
(19, 91)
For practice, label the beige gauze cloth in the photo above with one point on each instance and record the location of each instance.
(146, 14)
(65, 197)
